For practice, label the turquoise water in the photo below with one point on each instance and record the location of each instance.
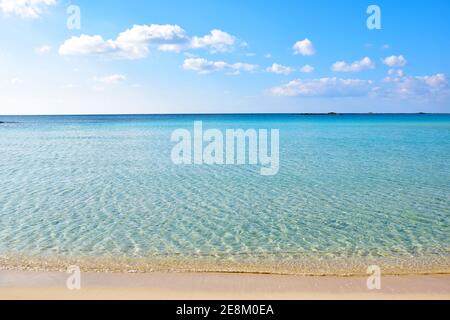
(351, 190)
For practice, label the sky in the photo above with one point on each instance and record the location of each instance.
(211, 56)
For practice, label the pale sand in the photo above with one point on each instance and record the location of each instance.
(52, 285)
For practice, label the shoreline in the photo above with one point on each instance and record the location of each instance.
(336, 267)
(32, 285)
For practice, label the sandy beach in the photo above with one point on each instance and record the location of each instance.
(52, 285)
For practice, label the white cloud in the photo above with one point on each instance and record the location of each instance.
(396, 86)
(434, 81)
(86, 45)
(280, 69)
(363, 64)
(204, 66)
(216, 41)
(307, 68)
(415, 87)
(111, 79)
(304, 47)
(25, 8)
(133, 43)
(395, 61)
(42, 49)
(136, 42)
(323, 87)
(268, 56)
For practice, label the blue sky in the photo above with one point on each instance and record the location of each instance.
(223, 56)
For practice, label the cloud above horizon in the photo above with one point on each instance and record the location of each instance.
(204, 66)
(364, 64)
(307, 68)
(280, 69)
(323, 87)
(395, 86)
(304, 47)
(402, 86)
(136, 42)
(395, 61)
(25, 9)
(216, 41)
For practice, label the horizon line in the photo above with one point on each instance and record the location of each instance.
(226, 114)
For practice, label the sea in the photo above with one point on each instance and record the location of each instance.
(102, 192)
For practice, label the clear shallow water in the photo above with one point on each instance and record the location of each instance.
(352, 190)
